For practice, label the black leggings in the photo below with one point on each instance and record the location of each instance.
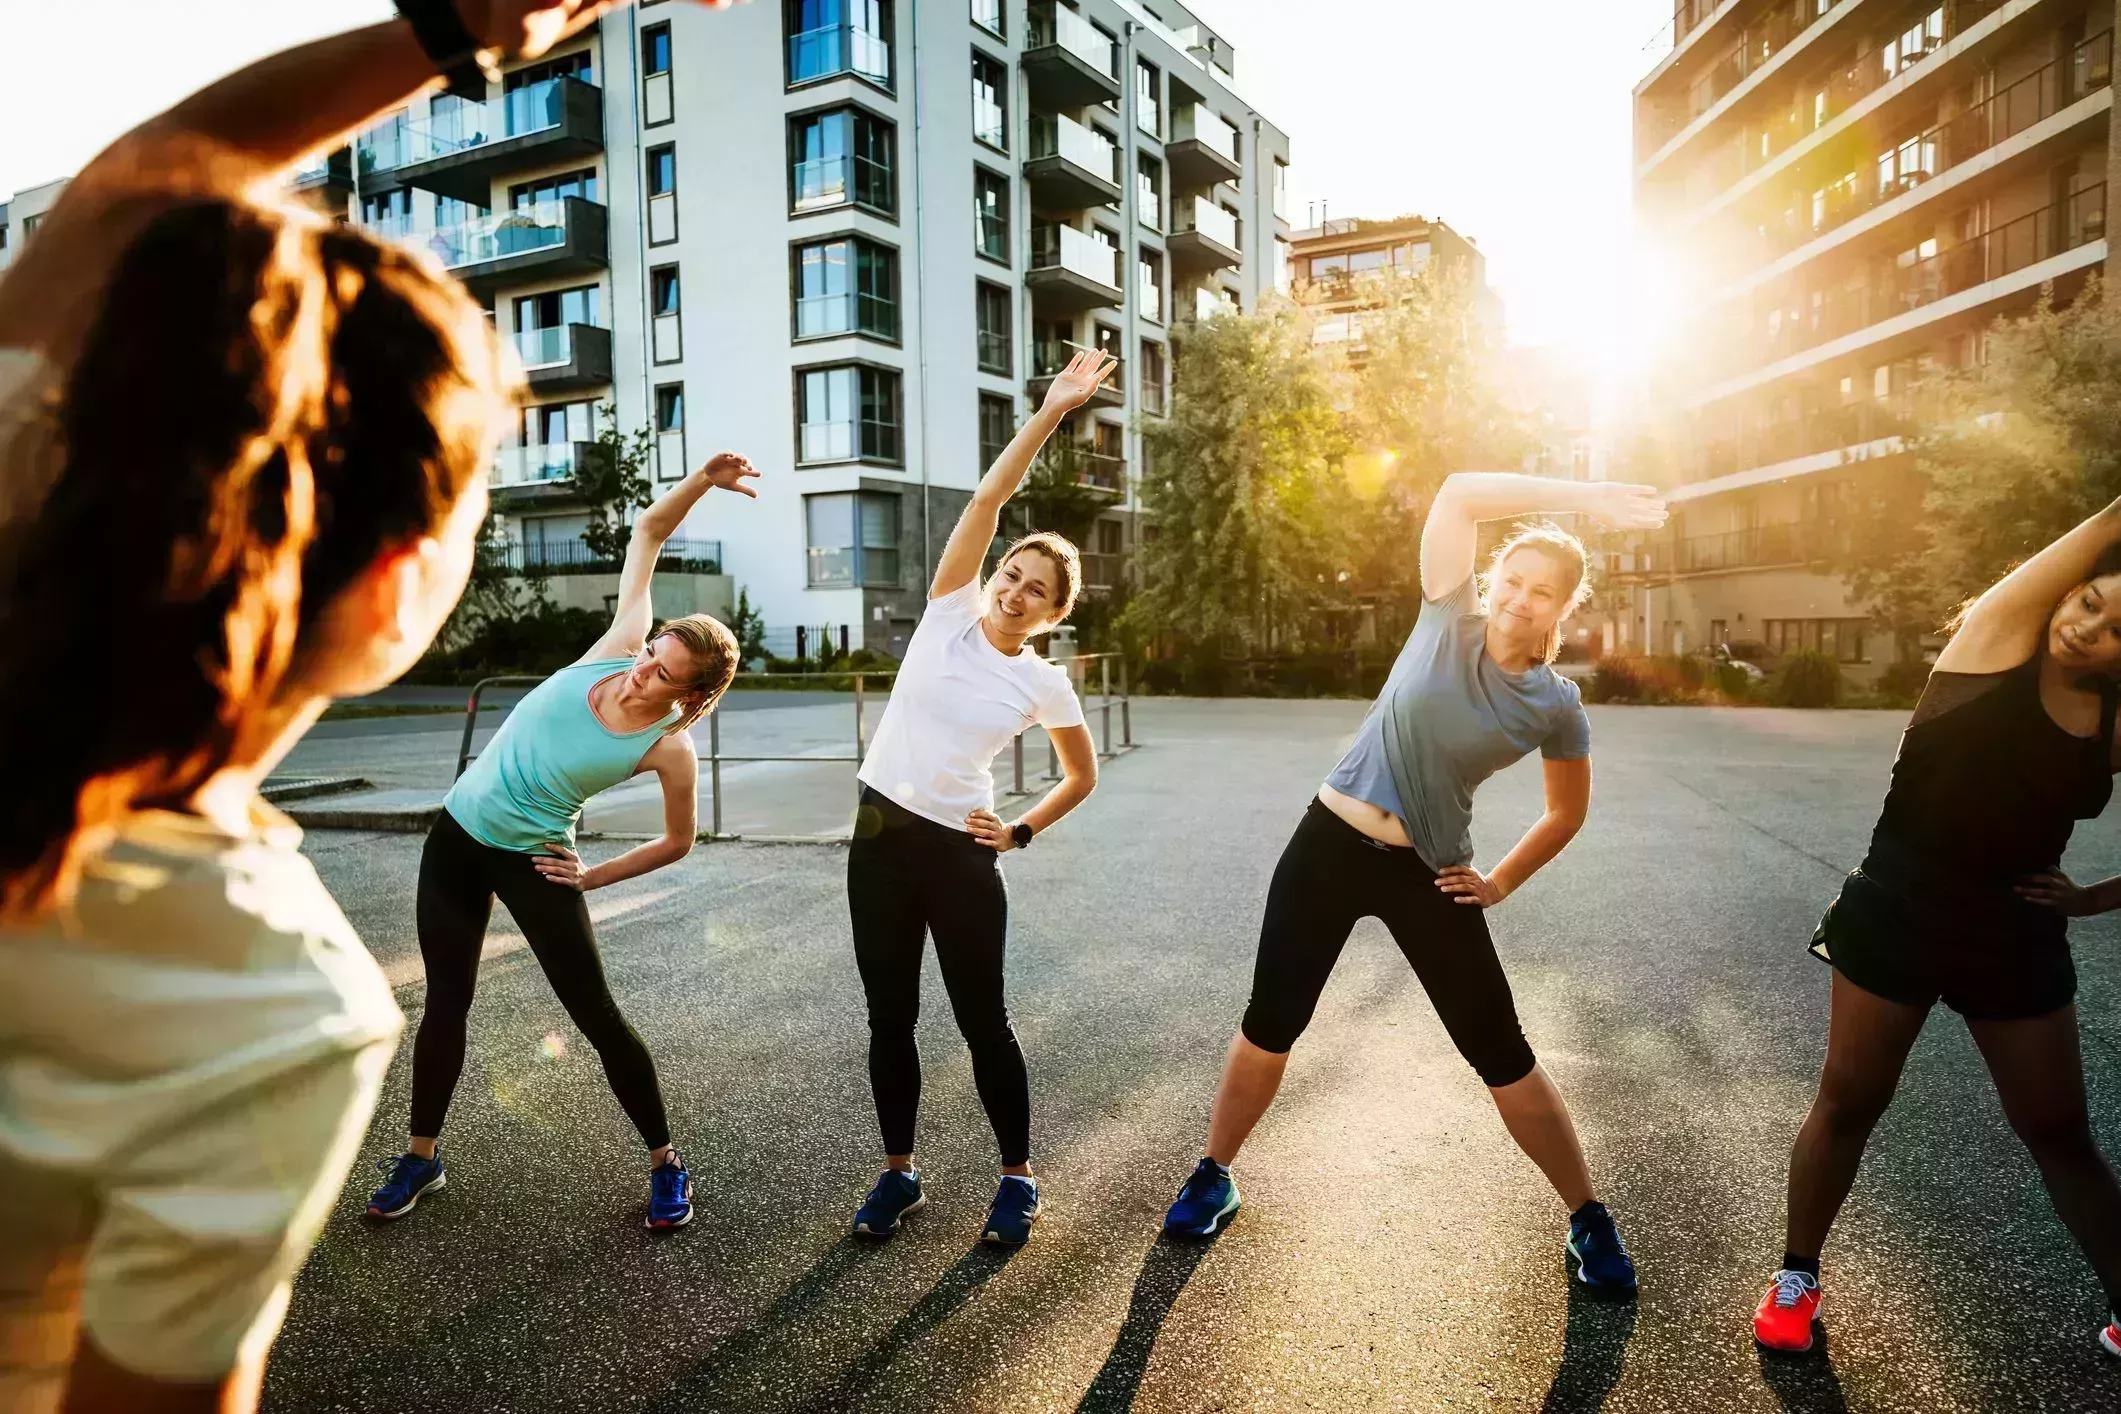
(1332, 875)
(459, 877)
(908, 876)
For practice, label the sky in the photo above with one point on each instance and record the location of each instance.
(1510, 122)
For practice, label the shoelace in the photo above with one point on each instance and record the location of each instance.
(1204, 1177)
(669, 1181)
(1790, 1287)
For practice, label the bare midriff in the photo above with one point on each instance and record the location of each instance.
(1380, 825)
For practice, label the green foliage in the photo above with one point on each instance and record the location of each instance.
(493, 594)
(1901, 684)
(542, 640)
(612, 480)
(1807, 678)
(1057, 496)
(749, 627)
(1667, 681)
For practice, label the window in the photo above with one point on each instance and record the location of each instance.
(1840, 639)
(987, 14)
(666, 331)
(842, 157)
(1281, 189)
(827, 38)
(1149, 191)
(662, 194)
(662, 170)
(990, 214)
(449, 211)
(847, 413)
(552, 424)
(990, 102)
(846, 286)
(663, 289)
(1149, 284)
(579, 65)
(554, 308)
(30, 225)
(524, 195)
(388, 214)
(852, 539)
(996, 351)
(670, 408)
(1148, 105)
(655, 49)
(1153, 377)
(997, 424)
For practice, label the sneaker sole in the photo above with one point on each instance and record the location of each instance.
(1215, 1224)
(2108, 1343)
(440, 1180)
(862, 1229)
(1607, 1290)
(995, 1239)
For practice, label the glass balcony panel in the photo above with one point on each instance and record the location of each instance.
(543, 348)
(502, 234)
(1210, 220)
(534, 466)
(1203, 124)
(838, 49)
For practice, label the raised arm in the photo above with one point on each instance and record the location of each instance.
(1450, 536)
(976, 528)
(633, 615)
(2005, 625)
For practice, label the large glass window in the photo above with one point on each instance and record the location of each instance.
(827, 38)
(388, 214)
(662, 170)
(990, 102)
(552, 424)
(997, 424)
(852, 539)
(579, 65)
(1149, 284)
(848, 413)
(1149, 191)
(554, 308)
(524, 195)
(655, 49)
(990, 214)
(1152, 368)
(842, 157)
(987, 14)
(996, 350)
(1148, 98)
(663, 290)
(846, 286)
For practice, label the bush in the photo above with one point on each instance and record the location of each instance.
(1901, 684)
(532, 644)
(1807, 678)
(1732, 683)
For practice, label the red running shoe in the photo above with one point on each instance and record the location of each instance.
(1783, 1320)
(2110, 1338)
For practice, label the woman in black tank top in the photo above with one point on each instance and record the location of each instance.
(1961, 898)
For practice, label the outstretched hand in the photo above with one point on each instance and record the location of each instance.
(1622, 505)
(729, 470)
(524, 29)
(1073, 385)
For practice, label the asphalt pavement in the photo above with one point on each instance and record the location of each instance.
(1395, 1251)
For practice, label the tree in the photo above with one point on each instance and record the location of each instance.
(749, 627)
(1057, 493)
(611, 481)
(2008, 454)
(496, 592)
(1244, 487)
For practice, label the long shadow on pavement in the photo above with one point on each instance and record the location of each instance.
(1805, 1384)
(1594, 1345)
(1165, 1272)
(700, 1386)
(951, 1290)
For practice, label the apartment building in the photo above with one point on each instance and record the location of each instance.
(1859, 187)
(1344, 264)
(21, 214)
(854, 239)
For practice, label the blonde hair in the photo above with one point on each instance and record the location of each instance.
(1561, 547)
(715, 648)
(1066, 559)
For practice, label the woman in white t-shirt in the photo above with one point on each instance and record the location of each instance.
(243, 463)
(926, 857)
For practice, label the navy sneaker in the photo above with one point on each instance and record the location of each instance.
(1602, 1261)
(897, 1193)
(411, 1177)
(669, 1194)
(1015, 1209)
(1206, 1202)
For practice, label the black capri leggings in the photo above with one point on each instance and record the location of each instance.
(1332, 875)
(908, 877)
(459, 877)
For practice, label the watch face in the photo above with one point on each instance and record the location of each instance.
(1022, 832)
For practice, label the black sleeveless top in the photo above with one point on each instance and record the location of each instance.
(1986, 788)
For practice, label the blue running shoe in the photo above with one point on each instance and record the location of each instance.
(1602, 1261)
(669, 1194)
(896, 1194)
(1206, 1202)
(411, 1177)
(1015, 1209)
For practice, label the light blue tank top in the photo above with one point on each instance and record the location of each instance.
(527, 788)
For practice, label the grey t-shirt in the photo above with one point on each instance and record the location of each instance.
(1447, 720)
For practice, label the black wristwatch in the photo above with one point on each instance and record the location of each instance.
(1021, 833)
(455, 50)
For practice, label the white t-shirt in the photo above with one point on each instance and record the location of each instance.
(957, 702)
(188, 1063)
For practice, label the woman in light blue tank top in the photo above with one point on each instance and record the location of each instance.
(507, 830)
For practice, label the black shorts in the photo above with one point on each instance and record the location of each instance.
(1905, 951)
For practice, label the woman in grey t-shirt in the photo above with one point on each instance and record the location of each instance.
(1389, 836)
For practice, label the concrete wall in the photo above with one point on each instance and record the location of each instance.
(672, 595)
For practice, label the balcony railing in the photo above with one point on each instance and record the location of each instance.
(1049, 358)
(1922, 158)
(1766, 36)
(1687, 16)
(1792, 543)
(1102, 571)
(1827, 429)
(1148, 114)
(1153, 398)
(574, 557)
(544, 348)
(1057, 24)
(1149, 296)
(505, 233)
(1101, 471)
(1896, 288)
(845, 312)
(844, 48)
(385, 147)
(1061, 136)
(835, 181)
(395, 227)
(462, 127)
(994, 351)
(1057, 247)
(1204, 216)
(1148, 206)
(1209, 301)
(1199, 123)
(541, 465)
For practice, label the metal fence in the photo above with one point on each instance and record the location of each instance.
(1080, 670)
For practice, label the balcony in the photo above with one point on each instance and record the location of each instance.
(1758, 547)
(1764, 37)
(466, 147)
(1071, 270)
(1203, 148)
(1100, 471)
(1845, 428)
(1149, 296)
(331, 173)
(1069, 62)
(830, 51)
(1211, 300)
(1050, 356)
(1103, 573)
(1204, 236)
(1071, 167)
(1894, 289)
(1928, 155)
(523, 475)
(548, 241)
(566, 356)
(574, 557)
